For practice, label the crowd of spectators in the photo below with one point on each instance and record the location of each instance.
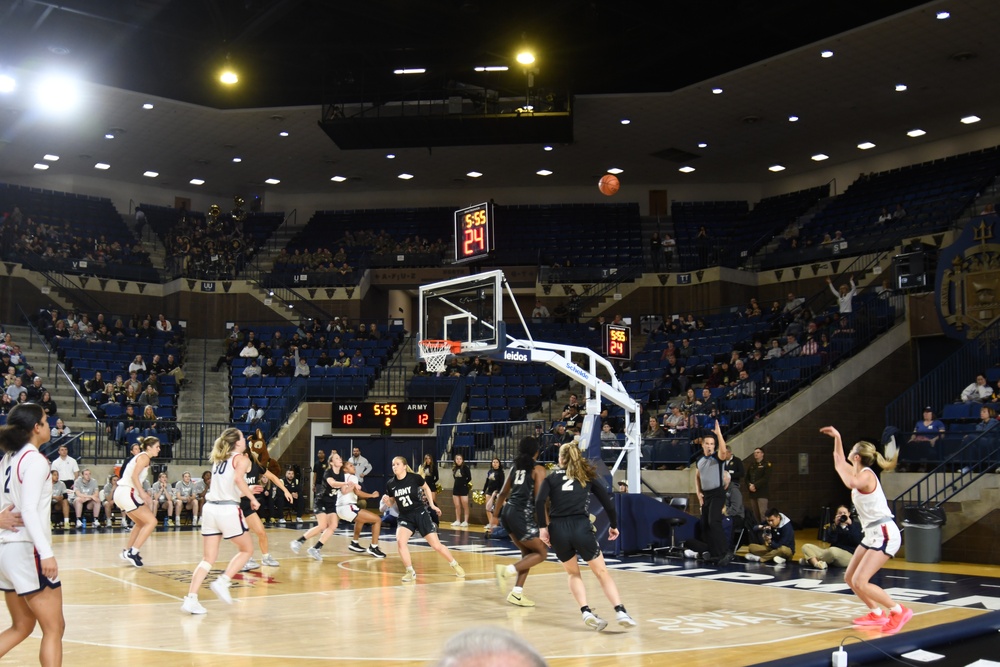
(213, 248)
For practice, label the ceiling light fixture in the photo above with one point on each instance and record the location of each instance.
(686, 170)
(900, 87)
(819, 157)
(109, 135)
(7, 84)
(390, 156)
(103, 166)
(150, 174)
(941, 16)
(237, 159)
(626, 121)
(229, 77)
(473, 174)
(826, 54)
(410, 70)
(41, 167)
(197, 181)
(272, 181)
(969, 120)
(543, 172)
(776, 168)
(50, 158)
(916, 132)
(492, 68)
(717, 91)
(283, 134)
(702, 144)
(865, 145)
(547, 148)
(147, 106)
(405, 176)
(338, 179)
(526, 58)
(615, 171)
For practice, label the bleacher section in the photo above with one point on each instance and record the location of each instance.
(86, 235)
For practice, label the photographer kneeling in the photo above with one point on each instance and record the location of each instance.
(777, 539)
(844, 536)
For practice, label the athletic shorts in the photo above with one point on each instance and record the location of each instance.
(572, 537)
(883, 537)
(326, 505)
(21, 571)
(223, 519)
(419, 522)
(247, 508)
(347, 512)
(520, 524)
(461, 490)
(127, 499)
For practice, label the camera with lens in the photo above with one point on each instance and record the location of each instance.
(842, 519)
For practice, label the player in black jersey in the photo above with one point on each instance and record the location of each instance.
(516, 509)
(411, 495)
(326, 508)
(572, 533)
(255, 480)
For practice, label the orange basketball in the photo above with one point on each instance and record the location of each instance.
(608, 185)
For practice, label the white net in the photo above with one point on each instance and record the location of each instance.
(435, 354)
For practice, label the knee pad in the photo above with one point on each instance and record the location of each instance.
(205, 565)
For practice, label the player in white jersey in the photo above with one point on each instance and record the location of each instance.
(29, 574)
(222, 518)
(348, 510)
(133, 499)
(882, 538)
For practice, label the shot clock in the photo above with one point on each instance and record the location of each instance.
(473, 232)
(617, 341)
(382, 415)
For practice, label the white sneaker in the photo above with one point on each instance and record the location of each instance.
(315, 554)
(456, 523)
(690, 554)
(410, 575)
(281, 522)
(269, 561)
(753, 558)
(124, 523)
(197, 521)
(221, 589)
(251, 565)
(79, 524)
(192, 606)
(295, 546)
(592, 620)
(298, 519)
(464, 524)
(110, 523)
(459, 572)
(624, 619)
(778, 560)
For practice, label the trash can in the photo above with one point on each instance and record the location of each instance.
(922, 534)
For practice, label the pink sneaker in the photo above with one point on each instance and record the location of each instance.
(897, 621)
(871, 618)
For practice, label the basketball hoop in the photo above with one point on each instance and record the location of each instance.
(435, 353)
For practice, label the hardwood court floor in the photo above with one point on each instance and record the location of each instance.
(353, 608)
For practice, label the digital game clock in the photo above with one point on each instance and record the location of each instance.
(382, 415)
(473, 232)
(617, 341)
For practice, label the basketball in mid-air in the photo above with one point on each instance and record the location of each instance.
(608, 185)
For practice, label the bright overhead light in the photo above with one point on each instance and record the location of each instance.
(546, 148)
(7, 84)
(57, 93)
(776, 168)
(969, 120)
(543, 172)
(473, 174)
(50, 158)
(717, 91)
(338, 179)
(819, 157)
(793, 118)
(197, 181)
(826, 54)
(390, 156)
(147, 106)
(702, 144)
(626, 121)
(103, 166)
(272, 181)
(405, 176)
(109, 135)
(941, 16)
(41, 167)
(916, 132)
(865, 145)
(410, 70)
(492, 68)
(229, 77)
(150, 174)
(237, 159)
(282, 134)
(686, 170)
(615, 171)
(526, 57)
(900, 87)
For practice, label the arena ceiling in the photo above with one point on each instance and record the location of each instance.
(653, 64)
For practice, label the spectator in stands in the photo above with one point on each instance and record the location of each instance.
(253, 370)
(126, 423)
(606, 433)
(655, 250)
(95, 384)
(702, 243)
(358, 360)
(301, 366)
(60, 499)
(149, 397)
(775, 539)
(843, 535)
(16, 389)
(185, 493)
(163, 498)
(899, 213)
(676, 420)
(270, 368)
(149, 422)
(137, 365)
(758, 483)
(35, 390)
(66, 466)
(652, 433)
(540, 313)
(844, 296)
(249, 350)
(254, 414)
(928, 429)
(744, 388)
(792, 305)
(755, 362)
(988, 419)
(977, 392)
(669, 246)
(560, 313)
(47, 404)
(286, 369)
(163, 324)
(60, 430)
(86, 493)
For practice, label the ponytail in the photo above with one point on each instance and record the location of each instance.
(869, 454)
(576, 466)
(403, 459)
(20, 426)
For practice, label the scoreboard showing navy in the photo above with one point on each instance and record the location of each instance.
(382, 415)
